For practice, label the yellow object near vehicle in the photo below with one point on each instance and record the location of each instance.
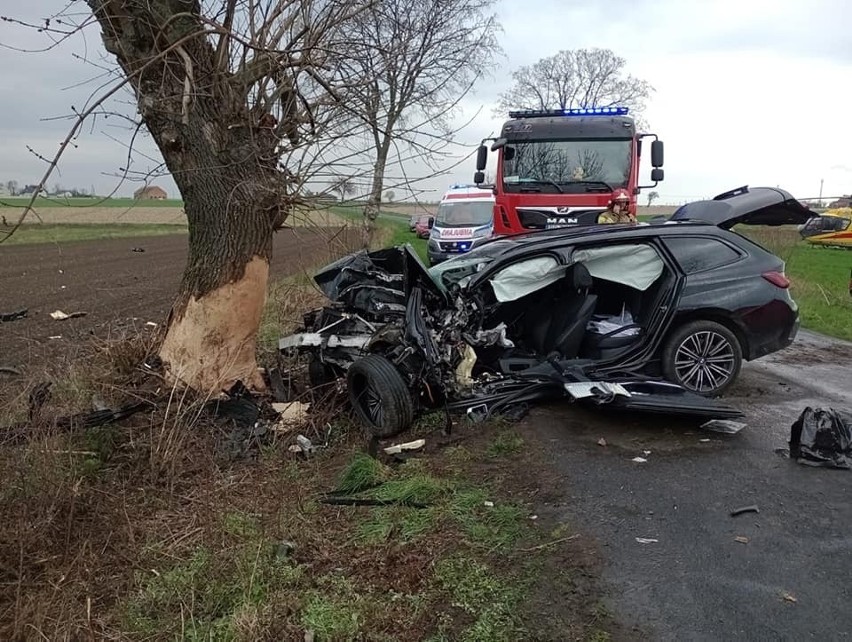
(832, 228)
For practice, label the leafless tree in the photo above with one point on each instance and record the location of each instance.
(420, 59)
(345, 186)
(230, 91)
(580, 78)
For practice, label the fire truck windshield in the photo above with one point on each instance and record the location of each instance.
(464, 213)
(566, 165)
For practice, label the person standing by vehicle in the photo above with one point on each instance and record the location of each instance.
(618, 210)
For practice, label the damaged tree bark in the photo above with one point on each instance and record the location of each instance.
(222, 121)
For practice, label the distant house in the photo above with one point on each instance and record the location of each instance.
(150, 193)
(843, 201)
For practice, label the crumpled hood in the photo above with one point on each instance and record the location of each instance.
(375, 282)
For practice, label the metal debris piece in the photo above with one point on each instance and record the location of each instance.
(647, 540)
(489, 504)
(151, 324)
(789, 597)
(417, 444)
(601, 442)
(723, 426)
(745, 509)
(741, 539)
(639, 460)
(8, 317)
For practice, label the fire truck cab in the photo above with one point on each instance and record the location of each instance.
(560, 168)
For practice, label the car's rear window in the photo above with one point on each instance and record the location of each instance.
(697, 254)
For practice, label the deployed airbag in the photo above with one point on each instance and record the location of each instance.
(636, 266)
(525, 277)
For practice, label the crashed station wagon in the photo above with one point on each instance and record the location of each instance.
(651, 317)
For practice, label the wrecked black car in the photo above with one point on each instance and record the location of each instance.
(654, 318)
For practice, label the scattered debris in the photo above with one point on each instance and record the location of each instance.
(789, 597)
(646, 452)
(704, 441)
(302, 445)
(54, 337)
(411, 445)
(281, 390)
(601, 442)
(639, 460)
(289, 414)
(723, 426)
(745, 509)
(822, 437)
(533, 517)
(556, 541)
(59, 315)
(8, 317)
(647, 540)
(138, 249)
(284, 549)
(489, 504)
(151, 324)
(741, 539)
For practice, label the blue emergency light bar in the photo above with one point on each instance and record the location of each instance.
(592, 111)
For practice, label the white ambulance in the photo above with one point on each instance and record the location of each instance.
(465, 218)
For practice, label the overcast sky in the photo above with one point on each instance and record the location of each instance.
(753, 92)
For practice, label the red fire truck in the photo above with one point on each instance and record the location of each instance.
(558, 168)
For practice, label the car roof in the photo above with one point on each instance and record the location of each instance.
(521, 243)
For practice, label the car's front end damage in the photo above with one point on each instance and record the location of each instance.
(406, 343)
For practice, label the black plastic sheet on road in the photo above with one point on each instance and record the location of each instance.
(822, 437)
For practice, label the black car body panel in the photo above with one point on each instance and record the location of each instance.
(747, 206)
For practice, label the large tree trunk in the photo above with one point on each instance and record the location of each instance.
(374, 200)
(224, 158)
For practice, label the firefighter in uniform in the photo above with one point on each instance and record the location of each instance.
(617, 211)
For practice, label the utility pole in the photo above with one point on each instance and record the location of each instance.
(821, 181)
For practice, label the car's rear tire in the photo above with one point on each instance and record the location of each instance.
(379, 396)
(703, 356)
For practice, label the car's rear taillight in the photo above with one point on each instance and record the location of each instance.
(777, 279)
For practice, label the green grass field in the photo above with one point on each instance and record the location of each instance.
(68, 232)
(42, 201)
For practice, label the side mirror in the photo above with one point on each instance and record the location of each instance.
(508, 153)
(657, 154)
(657, 174)
(479, 178)
(481, 158)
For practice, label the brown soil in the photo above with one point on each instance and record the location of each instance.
(116, 287)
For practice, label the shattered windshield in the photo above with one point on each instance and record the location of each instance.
(465, 214)
(570, 166)
(458, 270)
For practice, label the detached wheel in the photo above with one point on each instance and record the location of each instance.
(379, 396)
(702, 356)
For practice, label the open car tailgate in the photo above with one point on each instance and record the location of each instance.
(655, 397)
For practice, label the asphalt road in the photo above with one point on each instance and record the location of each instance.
(790, 581)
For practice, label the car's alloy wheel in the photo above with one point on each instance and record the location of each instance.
(379, 396)
(703, 356)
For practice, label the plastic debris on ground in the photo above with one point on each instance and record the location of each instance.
(639, 460)
(59, 315)
(745, 509)
(741, 539)
(647, 540)
(289, 414)
(723, 426)
(601, 442)
(410, 445)
(822, 437)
